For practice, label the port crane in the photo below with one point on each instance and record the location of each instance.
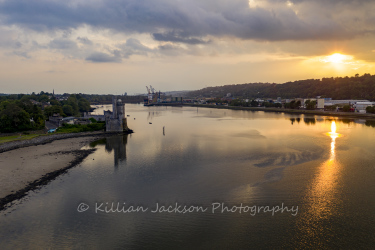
(153, 95)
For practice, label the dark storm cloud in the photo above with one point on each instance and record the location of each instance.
(192, 21)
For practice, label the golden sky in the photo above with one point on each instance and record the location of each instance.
(120, 46)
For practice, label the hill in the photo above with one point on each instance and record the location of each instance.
(356, 87)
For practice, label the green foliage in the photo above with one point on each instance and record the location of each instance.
(68, 110)
(254, 103)
(18, 113)
(92, 120)
(101, 99)
(54, 109)
(293, 105)
(25, 136)
(84, 105)
(54, 102)
(13, 118)
(310, 105)
(272, 105)
(73, 102)
(217, 100)
(237, 102)
(331, 108)
(346, 108)
(370, 109)
(69, 128)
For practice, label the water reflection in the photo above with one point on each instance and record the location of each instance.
(370, 123)
(117, 144)
(153, 114)
(323, 191)
(313, 120)
(322, 200)
(309, 121)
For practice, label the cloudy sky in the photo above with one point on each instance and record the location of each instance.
(117, 46)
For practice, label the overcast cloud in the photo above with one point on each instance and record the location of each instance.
(233, 37)
(190, 21)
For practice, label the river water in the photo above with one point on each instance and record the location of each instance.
(194, 178)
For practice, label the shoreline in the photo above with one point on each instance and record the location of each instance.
(80, 155)
(349, 115)
(44, 139)
(30, 164)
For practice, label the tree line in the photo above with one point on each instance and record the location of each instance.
(355, 87)
(107, 99)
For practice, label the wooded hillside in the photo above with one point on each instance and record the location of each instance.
(356, 87)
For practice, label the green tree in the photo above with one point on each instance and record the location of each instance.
(13, 118)
(72, 101)
(83, 105)
(43, 98)
(254, 103)
(310, 104)
(370, 109)
(346, 108)
(54, 109)
(68, 110)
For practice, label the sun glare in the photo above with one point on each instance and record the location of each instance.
(333, 127)
(333, 133)
(336, 58)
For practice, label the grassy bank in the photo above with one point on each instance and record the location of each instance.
(68, 128)
(18, 137)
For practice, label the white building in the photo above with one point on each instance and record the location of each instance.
(361, 106)
(320, 104)
(351, 102)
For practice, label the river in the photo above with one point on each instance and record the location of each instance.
(209, 178)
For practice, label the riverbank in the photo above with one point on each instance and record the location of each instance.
(349, 115)
(27, 165)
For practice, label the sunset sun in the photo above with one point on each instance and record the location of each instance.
(337, 58)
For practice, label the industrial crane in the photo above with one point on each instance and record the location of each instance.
(153, 96)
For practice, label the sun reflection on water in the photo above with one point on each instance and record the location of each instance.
(321, 198)
(333, 136)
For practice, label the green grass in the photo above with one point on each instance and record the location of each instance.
(67, 128)
(4, 139)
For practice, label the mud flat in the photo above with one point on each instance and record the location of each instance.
(27, 165)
